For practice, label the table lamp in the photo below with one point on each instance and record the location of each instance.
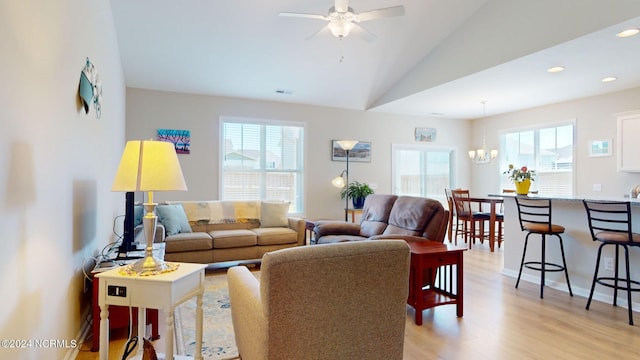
(148, 165)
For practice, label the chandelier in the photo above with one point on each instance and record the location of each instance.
(483, 155)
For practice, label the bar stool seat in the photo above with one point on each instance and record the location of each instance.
(544, 228)
(535, 218)
(610, 223)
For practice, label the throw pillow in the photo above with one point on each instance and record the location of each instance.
(274, 214)
(138, 213)
(173, 218)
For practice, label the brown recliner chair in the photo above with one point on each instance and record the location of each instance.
(389, 216)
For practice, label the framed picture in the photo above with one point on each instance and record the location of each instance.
(361, 152)
(181, 139)
(600, 148)
(423, 134)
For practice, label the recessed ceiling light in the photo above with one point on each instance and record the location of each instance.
(628, 32)
(609, 79)
(555, 69)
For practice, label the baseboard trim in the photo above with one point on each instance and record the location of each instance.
(597, 296)
(72, 354)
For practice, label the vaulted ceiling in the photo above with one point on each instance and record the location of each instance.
(442, 58)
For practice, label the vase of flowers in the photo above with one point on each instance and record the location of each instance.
(521, 178)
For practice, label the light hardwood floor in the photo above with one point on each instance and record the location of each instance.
(501, 322)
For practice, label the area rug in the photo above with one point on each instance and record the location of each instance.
(218, 341)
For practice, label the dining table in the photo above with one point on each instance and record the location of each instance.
(492, 201)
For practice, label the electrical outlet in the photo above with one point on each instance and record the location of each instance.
(597, 187)
(120, 291)
(608, 263)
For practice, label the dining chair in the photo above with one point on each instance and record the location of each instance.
(472, 219)
(534, 215)
(452, 214)
(610, 223)
(500, 225)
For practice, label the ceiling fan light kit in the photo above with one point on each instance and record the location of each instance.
(342, 19)
(341, 28)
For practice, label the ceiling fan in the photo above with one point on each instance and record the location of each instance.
(342, 19)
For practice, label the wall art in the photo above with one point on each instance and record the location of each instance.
(361, 152)
(600, 148)
(181, 139)
(424, 134)
(90, 88)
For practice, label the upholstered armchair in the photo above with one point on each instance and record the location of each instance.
(334, 301)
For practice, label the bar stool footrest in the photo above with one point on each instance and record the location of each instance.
(537, 265)
(607, 281)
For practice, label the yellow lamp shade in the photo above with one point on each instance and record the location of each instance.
(148, 165)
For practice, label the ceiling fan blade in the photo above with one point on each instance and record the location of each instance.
(324, 29)
(380, 13)
(365, 34)
(302, 15)
(342, 5)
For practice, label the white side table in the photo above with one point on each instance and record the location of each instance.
(164, 291)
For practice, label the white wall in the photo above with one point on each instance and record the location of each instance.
(149, 110)
(595, 120)
(56, 208)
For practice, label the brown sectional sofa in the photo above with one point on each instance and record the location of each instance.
(388, 216)
(218, 231)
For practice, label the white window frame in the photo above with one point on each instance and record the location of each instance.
(504, 163)
(298, 202)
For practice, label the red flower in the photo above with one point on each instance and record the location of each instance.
(523, 169)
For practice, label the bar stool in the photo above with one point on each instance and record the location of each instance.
(610, 223)
(535, 218)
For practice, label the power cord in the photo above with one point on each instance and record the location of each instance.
(129, 347)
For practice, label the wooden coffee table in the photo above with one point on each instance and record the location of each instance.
(436, 277)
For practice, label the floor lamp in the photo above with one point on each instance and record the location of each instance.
(347, 146)
(149, 166)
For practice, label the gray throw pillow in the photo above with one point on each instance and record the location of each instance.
(138, 213)
(173, 218)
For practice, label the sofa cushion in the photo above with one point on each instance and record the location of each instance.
(174, 219)
(330, 239)
(274, 214)
(224, 239)
(375, 214)
(410, 215)
(195, 241)
(275, 236)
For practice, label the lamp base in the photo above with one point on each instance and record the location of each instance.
(149, 265)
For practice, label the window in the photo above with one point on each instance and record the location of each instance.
(422, 171)
(262, 160)
(547, 150)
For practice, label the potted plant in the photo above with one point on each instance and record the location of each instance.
(357, 192)
(522, 178)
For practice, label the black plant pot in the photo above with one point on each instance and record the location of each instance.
(358, 202)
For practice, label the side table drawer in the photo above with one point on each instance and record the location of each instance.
(437, 260)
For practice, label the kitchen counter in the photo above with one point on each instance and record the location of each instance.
(580, 249)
